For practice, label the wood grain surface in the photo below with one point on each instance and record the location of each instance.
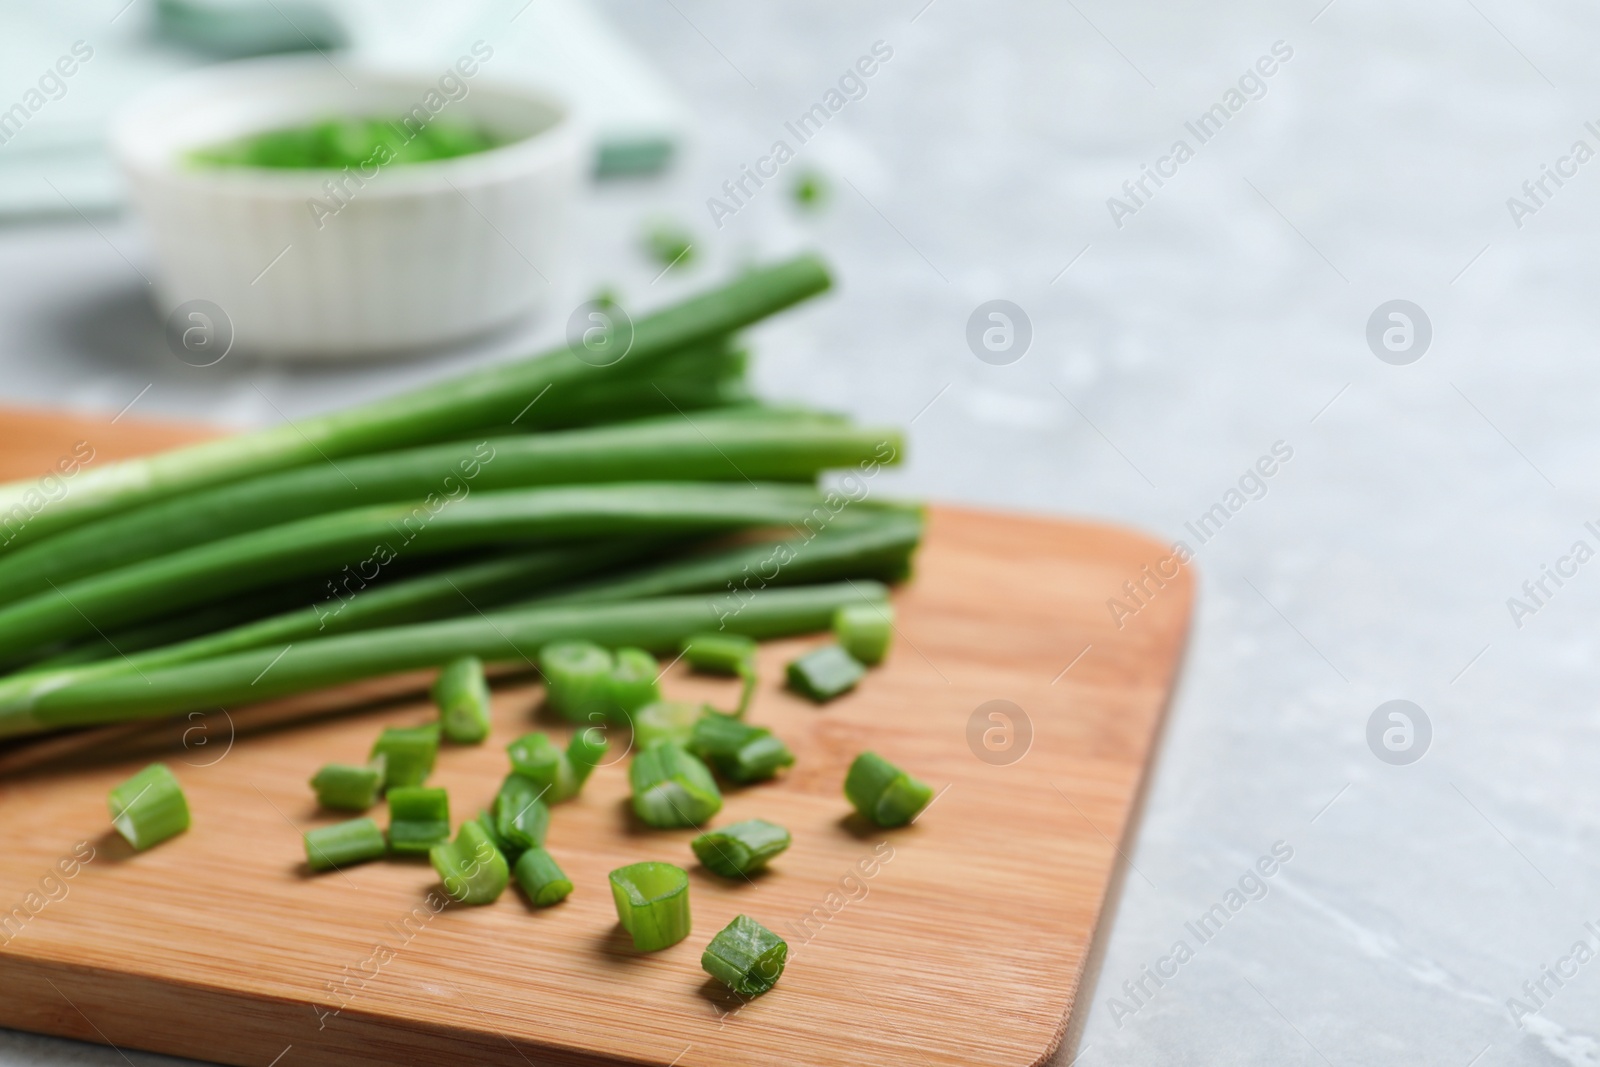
(958, 940)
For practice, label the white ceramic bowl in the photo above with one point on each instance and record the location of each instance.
(420, 254)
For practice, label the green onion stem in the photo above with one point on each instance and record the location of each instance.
(435, 412)
(449, 591)
(707, 447)
(380, 534)
(263, 674)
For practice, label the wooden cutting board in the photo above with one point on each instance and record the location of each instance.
(958, 940)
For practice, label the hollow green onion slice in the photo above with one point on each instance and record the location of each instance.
(652, 903)
(633, 682)
(419, 818)
(462, 695)
(536, 758)
(149, 807)
(521, 818)
(541, 878)
(864, 630)
(344, 843)
(728, 654)
(408, 753)
(345, 787)
(825, 673)
(584, 753)
(715, 653)
(665, 720)
(740, 849)
(577, 678)
(472, 869)
(883, 792)
(745, 956)
(671, 788)
(739, 752)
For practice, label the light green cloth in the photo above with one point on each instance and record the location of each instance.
(53, 159)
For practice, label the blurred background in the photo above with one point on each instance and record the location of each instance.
(1167, 334)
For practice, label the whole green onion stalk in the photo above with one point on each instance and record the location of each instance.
(450, 409)
(659, 624)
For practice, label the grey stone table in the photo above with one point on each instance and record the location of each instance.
(1179, 335)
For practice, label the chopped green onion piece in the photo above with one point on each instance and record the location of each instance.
(729, 654)
(652, 903)
(462, 694)
(419, 818)
(149, 807)
(408, 754)
(344, 787)
(344, 843)
(536, 758)
(541, 878)
(716, 653)
(521, 818)
(825, 673)
(585, 751)
(577, 679)
(472, 869)
(740, 849)
(486, 820)
(633, 682)
(665, 720)
(883, 792)
(671, 788)
(865, 631)
(737, 751)
(746, 957)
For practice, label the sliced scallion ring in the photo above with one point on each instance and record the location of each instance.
(825, 673)
(345, 787)
(883, 792)
(577, 679)
(472, 869)
(746, 957)
(462, 695)
(541, 878)
(149, 807)
(671, 788)
(865, 631)
(419, 818)
(652, 903)
(408, 753)
(740, 849)
(737, 751)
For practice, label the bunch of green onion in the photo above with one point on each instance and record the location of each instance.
(489, 515)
